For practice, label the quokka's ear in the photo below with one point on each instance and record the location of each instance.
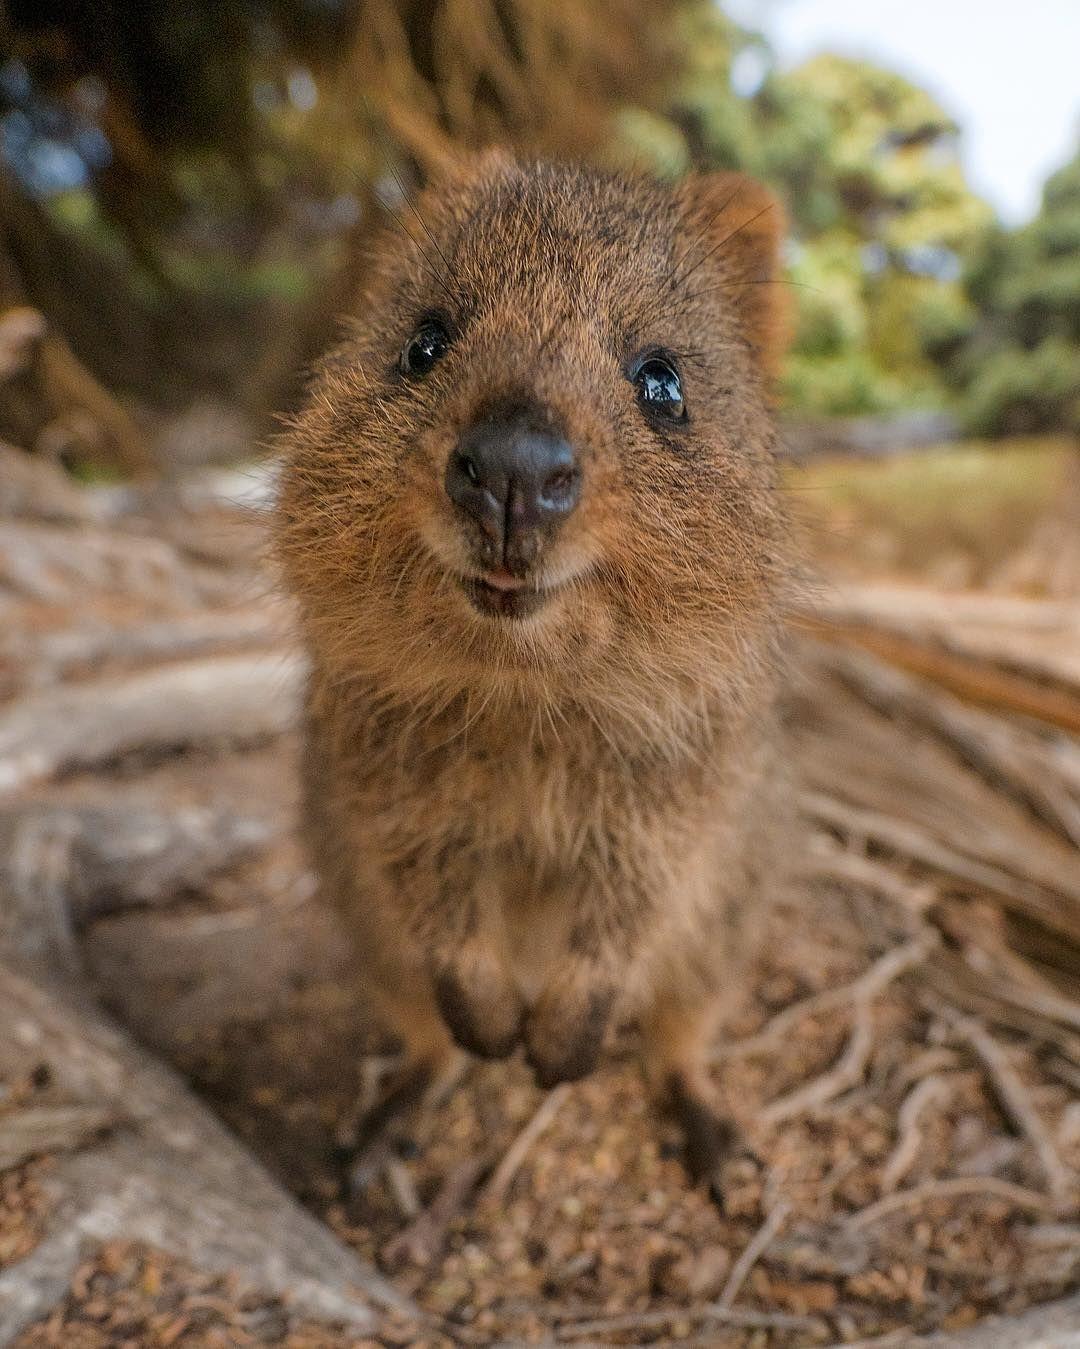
(744, 224)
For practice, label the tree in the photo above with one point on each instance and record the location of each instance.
(882, 234)
(867, 164)
(1017, 368)
(189, 186)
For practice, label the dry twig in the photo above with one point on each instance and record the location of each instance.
(420, 1243)
(1014, 1097)
(935, 1089)
(232, 698)
(991, 1187)
(847, 1072)
(837, 864)
(755, 1249)
(400, 1181)
(712, 1312)
(863, 989)
(496, 1188)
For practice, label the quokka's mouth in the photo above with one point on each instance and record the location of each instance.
(502, 596)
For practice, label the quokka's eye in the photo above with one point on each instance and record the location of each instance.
(659, 389)
(427, 345)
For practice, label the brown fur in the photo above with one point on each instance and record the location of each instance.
(535, 827)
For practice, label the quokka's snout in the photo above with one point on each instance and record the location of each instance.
(513, 482)
(515, 486)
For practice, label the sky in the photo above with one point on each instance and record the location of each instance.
(1007, 72)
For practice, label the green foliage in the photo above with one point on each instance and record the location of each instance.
(1016, 367)
(224, 165)
(249, 152)
(866, 163)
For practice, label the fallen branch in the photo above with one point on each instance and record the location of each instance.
(32, 1130)
(1008, 756)
(421, 1242)
(975, 682)
(97, 860)
(864, 989)
(936, 1089)
(42, 658)
(711, 1313)
(1000, 1000)
(1034, 642)
(837, 864)
(235, 699)
(848, 1072)
(1042, 901)
(59, 565)
(172, 1177)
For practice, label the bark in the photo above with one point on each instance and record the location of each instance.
(168, 1175)
(230, 700)
(103, 860)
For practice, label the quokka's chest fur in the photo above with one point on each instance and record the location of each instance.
(545, 796)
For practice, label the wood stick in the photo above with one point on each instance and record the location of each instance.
(755, 1249)
(865, 988)
(847, 1072)
(1015, 1099)
(32, 1130)
(99, 860)
(235, 699)
(421, 1242)
(954, 1187)
(911, 841)
(836, 864)
(936, 1089)
(49, 657)
(711, 1312)
(495, 1190)
(1008, 756)
(172, 1177)
(976, 682)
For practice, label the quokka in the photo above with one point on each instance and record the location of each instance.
(531, 516)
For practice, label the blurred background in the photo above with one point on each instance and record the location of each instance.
(184, 192)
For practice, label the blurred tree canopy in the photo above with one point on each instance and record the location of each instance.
(185, 190)
(211, 169)
(881, 215)
(1017, 364)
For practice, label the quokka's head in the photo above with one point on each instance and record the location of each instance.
(542, 457)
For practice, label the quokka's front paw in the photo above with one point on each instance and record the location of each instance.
(564, 1031)
(479, 1002)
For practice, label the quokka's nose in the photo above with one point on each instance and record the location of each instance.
(517, 484)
